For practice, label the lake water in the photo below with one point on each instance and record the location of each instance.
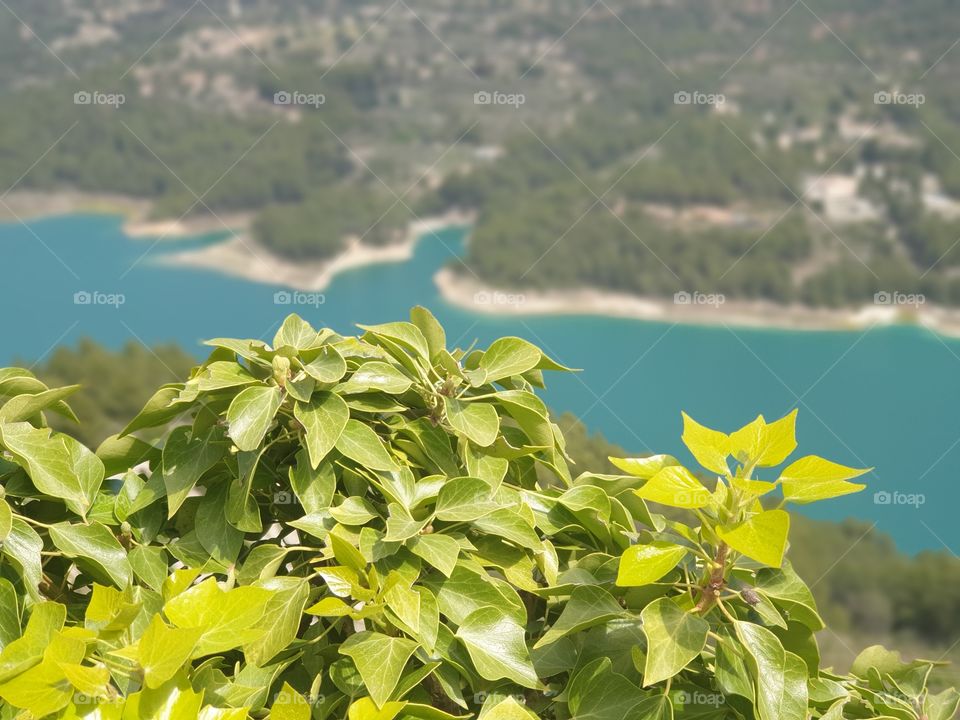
(885, 398)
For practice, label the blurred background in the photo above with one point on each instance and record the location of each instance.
(727, 208)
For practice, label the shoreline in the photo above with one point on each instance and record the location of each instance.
(470, 294)
(242, 256)
(138, 222)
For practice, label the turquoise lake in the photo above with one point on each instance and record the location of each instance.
(885, 398)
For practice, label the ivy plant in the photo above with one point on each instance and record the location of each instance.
(375, 527)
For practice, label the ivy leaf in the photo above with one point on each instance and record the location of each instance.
(295, 332)
(812, 478)
(185, 459)
(464, 499)
(510, 525)
(360, 443)
(376, 376)
(226, 619)
(780, 677)
(762, 444)
(281, 618)
(587, 607)
(644, 468)
(674, 638)
(476, 421)
(96, 544)
(675, 486)
(762, 537)
(497, 647)
(432, 330)
(328, 367)
(599, 693)
(162, 651)
(23, 547)
(645, 564)
(250, 415)
(289, 705)
(405, 334)
(46, 620)
(380, 660)
(440, 551)
(6, 520)
(505, 358)
(323, 420)
(710, 447)
(58, 465)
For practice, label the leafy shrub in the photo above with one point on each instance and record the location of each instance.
(375, 527)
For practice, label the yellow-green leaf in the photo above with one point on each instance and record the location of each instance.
(645, 564)
(709, 447)
(762, 537)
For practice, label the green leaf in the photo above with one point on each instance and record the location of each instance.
(328, 367)
(58, 465)
(163, 651)
(185, 459)
(440, 551)
(762, 537)
(432, 330)
(511, 526)
(812, 478)
(23, 547)
(376, 376)
(226, 619)
(496, 645)
(780, 677)
(324, 419)
(6, 520)
(587, 607)
(675, 486)
(644, 468)
(9, 613)
(599, 693)
(22, 408)
(96, 544)
(645, 564)
(361, 444)
(149, 565)
(119, 454)
(476, 421)
(407, 335)
(295, 332)
(380, 660)
(505, 358)
(46, 620)
(281, 618)
(710, 447)
(464, 499)
(764, 445)
(250, 415)
(674, 638)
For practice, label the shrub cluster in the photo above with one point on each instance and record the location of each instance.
(379, 528)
